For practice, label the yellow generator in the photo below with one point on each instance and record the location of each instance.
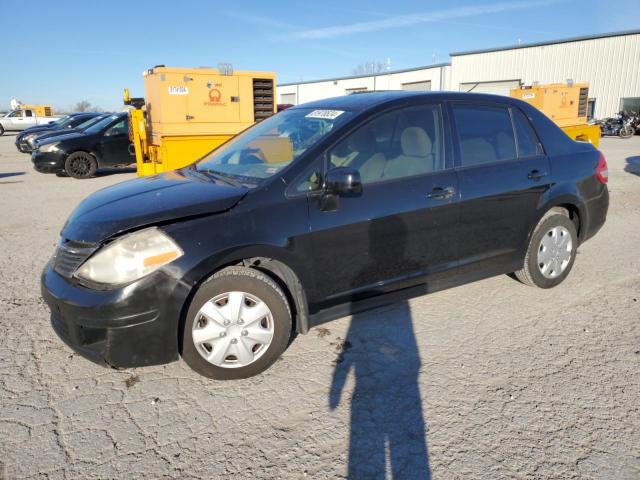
(564, 103)
(187, 112)
(40, 110)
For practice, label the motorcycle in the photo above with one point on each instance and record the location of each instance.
(623, 126)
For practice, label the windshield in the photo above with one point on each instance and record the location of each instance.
(61, 121)
(91, 121)
(269, 146)
(98, 126)
(66, 122)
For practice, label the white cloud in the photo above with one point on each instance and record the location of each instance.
(400, 21)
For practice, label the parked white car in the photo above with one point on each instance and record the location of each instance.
(18, 120)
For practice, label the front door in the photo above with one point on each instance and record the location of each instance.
(115, 145)
(401, 231)
(503, 174)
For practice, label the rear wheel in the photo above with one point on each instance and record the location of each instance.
(551, 252)
(238, 324)
(1, 130)
(80, 165)
(626, 132)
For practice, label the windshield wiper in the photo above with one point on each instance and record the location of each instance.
(225, 177)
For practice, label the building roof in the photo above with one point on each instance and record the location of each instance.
(549, 42)
(369, 75)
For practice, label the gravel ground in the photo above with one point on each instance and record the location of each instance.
(489, 380)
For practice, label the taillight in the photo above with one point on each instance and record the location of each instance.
(602, 171)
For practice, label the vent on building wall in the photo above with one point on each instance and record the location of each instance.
(583, 102)
(262, 98)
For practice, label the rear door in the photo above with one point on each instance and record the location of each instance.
(401, 231)
(503, 175)
(114, 144)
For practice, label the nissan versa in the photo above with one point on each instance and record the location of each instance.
(320, 211)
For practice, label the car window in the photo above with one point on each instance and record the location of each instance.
(528, 144)
(311, 179)
(28, 113)
(270, 145)
(485, 133)
(401, 143)
(119, 128)
(97, 127)
(17, 113)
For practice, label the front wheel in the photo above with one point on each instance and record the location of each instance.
(238, 324)
(627, 132)
(80, 165)
(1, 130)
(551, 252)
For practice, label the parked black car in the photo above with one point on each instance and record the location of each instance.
(320, 211)
(69, 122)
(42, 137)
(79, 154)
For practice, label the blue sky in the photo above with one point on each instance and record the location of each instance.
(64, 51)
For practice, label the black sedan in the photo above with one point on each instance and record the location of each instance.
(24, 140)
(321, 211)
(80, 154)
(45, 136)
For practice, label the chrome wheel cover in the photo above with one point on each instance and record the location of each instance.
(233, 329)
(554, 252)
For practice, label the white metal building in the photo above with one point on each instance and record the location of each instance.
(610, 63)
(433, 77)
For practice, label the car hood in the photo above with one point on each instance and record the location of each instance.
(39, 128)
(147, 201)
(47, 134)
(65, 136)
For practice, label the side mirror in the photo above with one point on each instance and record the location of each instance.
(343, 181)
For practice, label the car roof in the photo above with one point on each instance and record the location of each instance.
(366, 100)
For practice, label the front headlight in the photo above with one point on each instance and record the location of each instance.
(51, 147)
(129, 258)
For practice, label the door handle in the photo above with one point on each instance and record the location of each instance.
(441, 193)
(536, 175)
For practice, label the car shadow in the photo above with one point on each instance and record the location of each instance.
(11, 174)
(633, 165)
(387, 427)
(105, 172)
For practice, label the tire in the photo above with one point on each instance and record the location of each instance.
(234, 336)
(80, 165)
(626, 132)
(553, 233)
(1, 130)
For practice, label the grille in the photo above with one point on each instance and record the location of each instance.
(70, 255)
(583, 102)
(262, 98)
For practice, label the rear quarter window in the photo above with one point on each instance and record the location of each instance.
(528, 143)
(485, 133)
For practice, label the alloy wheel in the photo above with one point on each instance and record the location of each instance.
(80, 166)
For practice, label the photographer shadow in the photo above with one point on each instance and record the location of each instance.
(387, 432)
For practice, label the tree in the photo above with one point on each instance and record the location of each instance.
(85, 106)
(370, 68)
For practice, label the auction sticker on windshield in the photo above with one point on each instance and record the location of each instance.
(326, 114)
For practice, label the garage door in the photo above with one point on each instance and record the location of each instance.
(501, 87)
(630, 104)
(417, 86)
(288, 98)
